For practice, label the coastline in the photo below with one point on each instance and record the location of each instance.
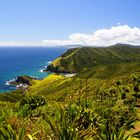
(25, 61)
(15, 85)
(24, 85)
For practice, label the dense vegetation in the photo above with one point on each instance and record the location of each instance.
(99, 103)
(77, 59)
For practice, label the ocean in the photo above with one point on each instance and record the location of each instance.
(15, 61)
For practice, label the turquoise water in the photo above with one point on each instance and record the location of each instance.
(15, 61)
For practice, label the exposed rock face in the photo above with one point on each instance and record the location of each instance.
(23, 80)
(55, 69)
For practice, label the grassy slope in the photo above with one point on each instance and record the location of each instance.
(77, 59)
(58, 87)
(111, 71)
(62, 89)
(12, 96)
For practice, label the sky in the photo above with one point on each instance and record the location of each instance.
(65, 22)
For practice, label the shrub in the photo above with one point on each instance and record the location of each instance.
(29, 104)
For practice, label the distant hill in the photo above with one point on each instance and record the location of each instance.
(83, 58)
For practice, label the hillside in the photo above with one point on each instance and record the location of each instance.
(101, 102)
(78, 59)
(84, 107)
(109, 71)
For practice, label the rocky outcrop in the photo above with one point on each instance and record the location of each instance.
(23, 80)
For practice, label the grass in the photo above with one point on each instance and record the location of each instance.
(111, 71)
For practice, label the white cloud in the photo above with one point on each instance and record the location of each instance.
(102, 37)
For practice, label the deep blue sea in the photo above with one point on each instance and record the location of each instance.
(15, 61)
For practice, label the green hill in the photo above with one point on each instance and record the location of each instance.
(78, 59)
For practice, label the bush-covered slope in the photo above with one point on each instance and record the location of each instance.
(110, 71)
(78, 59)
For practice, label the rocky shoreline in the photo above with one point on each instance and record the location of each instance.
(67, 74)
(23, 81)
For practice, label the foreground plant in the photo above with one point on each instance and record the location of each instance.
(9, 134)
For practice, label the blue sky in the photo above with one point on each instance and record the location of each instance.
(38, 20)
